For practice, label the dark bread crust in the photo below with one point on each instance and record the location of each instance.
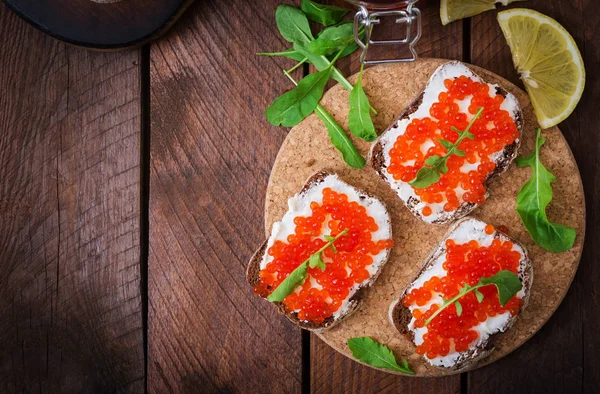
(400, 316)
(376, 158)
(253, 270)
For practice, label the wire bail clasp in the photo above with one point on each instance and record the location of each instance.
(407, 17)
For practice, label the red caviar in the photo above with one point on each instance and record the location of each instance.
(348, 266)
(465, 263)
(493, 130)
(426, 211)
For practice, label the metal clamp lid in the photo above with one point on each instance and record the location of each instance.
(409, 17)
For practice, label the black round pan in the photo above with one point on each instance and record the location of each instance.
(101, 24)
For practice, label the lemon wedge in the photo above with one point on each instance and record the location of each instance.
(547, 58)
(453, 10)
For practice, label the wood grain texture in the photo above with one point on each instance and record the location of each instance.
(563, 356)
(330, 371)
(70, 306)
(335, 373)
(211, 154)
(101, 24)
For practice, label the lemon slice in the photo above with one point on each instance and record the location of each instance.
(547, 58)
(453, 10)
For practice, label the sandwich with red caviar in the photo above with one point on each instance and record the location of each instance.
(470, 290)
(328, 248)
(444, 148)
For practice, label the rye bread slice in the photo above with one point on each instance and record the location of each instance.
(377, 157)
(354, 298)
(400, 316)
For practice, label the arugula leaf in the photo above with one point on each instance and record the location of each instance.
(427, 176)
(376, 354)
(433, 160)
(330, 238)
(298, 275)
(297, 56)
(323, 14)
(532, 201)
(478, 295)
(458, 307)
(321, 63)
(352, 46)
(446, 144)
(359, 116)
(316, 260)
(332, 39)
(289, 284)
(507, 283)
(290, 52)
(293, 24)
(293, 106)
(290, 108)
(348, 50)
(340, 139)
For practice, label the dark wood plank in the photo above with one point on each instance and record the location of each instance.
(70, 306)
(211, 155)
(562, 356)
(101, 24)
(332, 372)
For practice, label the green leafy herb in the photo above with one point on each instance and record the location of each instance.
(359, 116)
(349, 49)
(435, 165)
(316, 261)
(297, 56)
(293, 106)
(333, 39)
(290, 108)
(340, 139)
(298, 276)
(324, 14)
(507, 283)
(352, 46)
(532, 201)
(290, 52)
(458, 306)
(478, 295)
(321, 63)
(376, 354)
(293, 24)
(331, 239)
(290, 283)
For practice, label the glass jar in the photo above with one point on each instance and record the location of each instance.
(369, 14)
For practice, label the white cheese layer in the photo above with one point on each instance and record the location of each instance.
(299, 205)
(470, 229)
(434, 87)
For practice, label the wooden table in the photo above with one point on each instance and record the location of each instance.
(131, 197)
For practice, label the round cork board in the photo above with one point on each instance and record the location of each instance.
(390, 88)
